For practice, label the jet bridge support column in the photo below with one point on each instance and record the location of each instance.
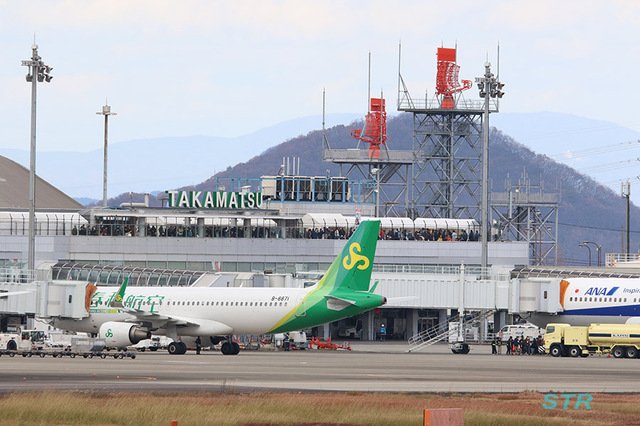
(499, 321)
(412, 322)
(368, 329)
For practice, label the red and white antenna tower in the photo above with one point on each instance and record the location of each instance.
(375, 127)
(447, 78)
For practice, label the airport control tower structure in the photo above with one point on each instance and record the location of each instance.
(372, 160)
(447, 172)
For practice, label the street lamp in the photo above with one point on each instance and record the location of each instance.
(106, 111)
(38, 72)
(597, 250)
(489, 87)
(588, 248)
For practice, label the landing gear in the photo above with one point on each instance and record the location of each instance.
(177, 348)
(230, 348)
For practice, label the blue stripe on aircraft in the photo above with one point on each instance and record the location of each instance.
(623, 311)
(613, 290)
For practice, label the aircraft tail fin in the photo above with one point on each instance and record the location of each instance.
(118, 300)
(344, 290)
(351, 270)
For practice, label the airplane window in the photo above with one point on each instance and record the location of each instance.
(570, 299)
(198, 303)
(250, 303)
(236, 303)
(260, 303)
(183, 303)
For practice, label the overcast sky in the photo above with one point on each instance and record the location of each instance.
(228, 68)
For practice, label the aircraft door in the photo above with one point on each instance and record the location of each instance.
(301, 310)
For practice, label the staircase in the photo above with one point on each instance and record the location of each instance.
(436, 333)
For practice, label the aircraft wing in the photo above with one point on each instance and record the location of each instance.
(197, 325)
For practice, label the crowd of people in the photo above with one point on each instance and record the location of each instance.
(317, 233)
(518, 346)
(337, 233)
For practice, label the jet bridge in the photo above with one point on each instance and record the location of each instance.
(20, 294)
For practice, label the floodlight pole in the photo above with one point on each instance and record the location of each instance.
(38, 71)
(106, 111)
(489, 87)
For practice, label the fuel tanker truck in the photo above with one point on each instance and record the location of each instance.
(621, 340)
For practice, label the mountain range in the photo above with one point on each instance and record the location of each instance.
(555, 143)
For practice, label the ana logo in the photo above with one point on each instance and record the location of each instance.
(354, 258)
(600, 291)
(108, 333)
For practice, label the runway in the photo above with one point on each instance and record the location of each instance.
(369, 367)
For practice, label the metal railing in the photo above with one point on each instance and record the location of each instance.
(622, 260)
(17, 275)
(436, 333)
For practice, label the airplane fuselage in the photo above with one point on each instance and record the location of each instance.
(595, 300)
(237, 310)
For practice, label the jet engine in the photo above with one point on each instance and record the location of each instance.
(121, 334)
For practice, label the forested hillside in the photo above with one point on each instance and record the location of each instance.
(588, 211)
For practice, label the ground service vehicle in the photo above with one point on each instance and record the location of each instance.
(520, 330)
(24, 340)
(621, 340)
(9, 341)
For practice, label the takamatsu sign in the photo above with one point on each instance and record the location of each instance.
(215, 200)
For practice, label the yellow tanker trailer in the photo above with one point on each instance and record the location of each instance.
(621, 340)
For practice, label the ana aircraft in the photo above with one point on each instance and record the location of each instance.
(126, 315)
(595, 301)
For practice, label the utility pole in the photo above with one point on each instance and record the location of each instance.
(38, 72)
(106, 111)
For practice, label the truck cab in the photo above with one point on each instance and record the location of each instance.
(554, 339)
